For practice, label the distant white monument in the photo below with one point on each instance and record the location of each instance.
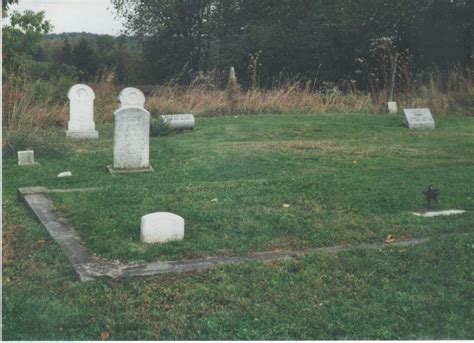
(392, 107)
(81, 112)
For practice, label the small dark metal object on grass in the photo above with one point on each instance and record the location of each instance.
(431, 194)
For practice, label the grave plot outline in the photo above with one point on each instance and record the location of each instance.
(89, 267)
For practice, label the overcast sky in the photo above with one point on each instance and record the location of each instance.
(96, 16)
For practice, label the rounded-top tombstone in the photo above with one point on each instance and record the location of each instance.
(81, 112)
(131, 97)
(131, 134)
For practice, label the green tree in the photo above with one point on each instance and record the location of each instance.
(85, 59)
(66, 53)
(22, 43)
(175, 33)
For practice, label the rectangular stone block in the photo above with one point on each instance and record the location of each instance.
(26, 158)
(179, 121)
(392, 107)
(418, 118)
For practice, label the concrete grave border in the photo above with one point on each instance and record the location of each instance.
(88, 267)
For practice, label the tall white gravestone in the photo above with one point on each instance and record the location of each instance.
(131, 137)
(418, 118)
(81, 112)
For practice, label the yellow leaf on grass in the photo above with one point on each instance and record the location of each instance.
(390, 239)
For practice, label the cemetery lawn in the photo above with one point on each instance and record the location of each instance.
(347, 179)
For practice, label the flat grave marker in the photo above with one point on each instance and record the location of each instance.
(26, 158)
(418, 118)
(179, 121)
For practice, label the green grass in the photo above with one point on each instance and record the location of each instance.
(253, 165)
(347, 179)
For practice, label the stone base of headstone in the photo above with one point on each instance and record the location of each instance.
(113, 170)
(83, 134)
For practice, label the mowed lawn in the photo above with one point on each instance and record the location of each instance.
(347, 179)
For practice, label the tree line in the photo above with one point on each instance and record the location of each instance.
(320, 41)
(325, 39)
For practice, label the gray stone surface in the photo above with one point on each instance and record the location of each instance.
(42, 208)
(131, 139)
(26, 158)
(81, 113)
(160, 227)
(131, 97)
(418, 118)
(179, 121)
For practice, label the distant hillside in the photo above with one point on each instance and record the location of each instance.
(72, 36)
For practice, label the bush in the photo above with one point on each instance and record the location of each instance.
(159, 127)
(42, 142)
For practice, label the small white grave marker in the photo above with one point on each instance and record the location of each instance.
(131, 97)
(392, 107)
(65, 174)
(418, 118)
(81, 112)
(160, 227)
(179, 121)
(439, 213)
(26, 158)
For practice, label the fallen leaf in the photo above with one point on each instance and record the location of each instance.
(354, 162)
(285, 205)
(40, 241)
(166, 306)
(213, 200)
(104, 335)
(390, 239)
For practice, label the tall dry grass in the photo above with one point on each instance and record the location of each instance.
(30, 106)
(26, 109)
(204, 99)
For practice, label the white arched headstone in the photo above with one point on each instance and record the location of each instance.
(131, 140)
(160, 227)
(81, 112)
(131, 97)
